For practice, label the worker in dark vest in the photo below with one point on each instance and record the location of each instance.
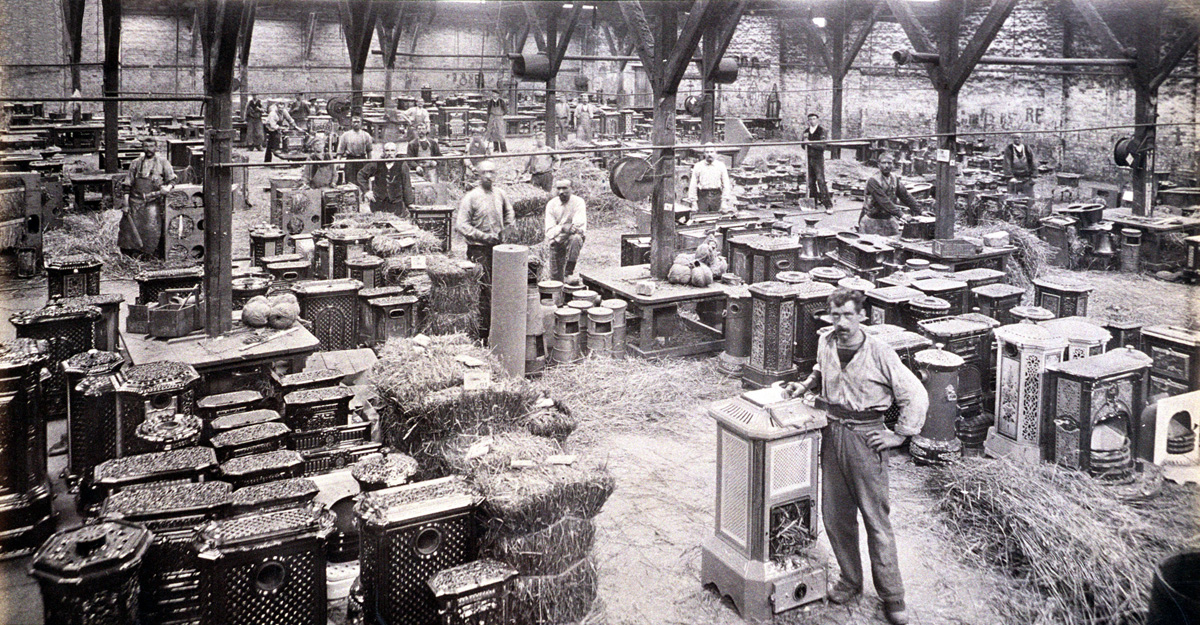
(141, 229)
(1018, 165)
(388, 185)
(859, 377)
(881, 211)
(816, 162)
(424, 147)
(496, 110)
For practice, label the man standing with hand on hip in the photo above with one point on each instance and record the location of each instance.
(859, 377)
(483, 214)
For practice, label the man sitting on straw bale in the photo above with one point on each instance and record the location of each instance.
(860, 377)
(566, 224)
(881, 207)
(710, 189)
(483, 214)
(388, 186)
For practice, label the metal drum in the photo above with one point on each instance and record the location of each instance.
(938, 443)
(566, 336)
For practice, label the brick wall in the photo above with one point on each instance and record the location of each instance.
(879, 98)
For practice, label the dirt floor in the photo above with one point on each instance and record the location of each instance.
(649, 533)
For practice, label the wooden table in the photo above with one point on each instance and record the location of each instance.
(1155, 252)
(656, 316)
(989, 258)
(224, 363)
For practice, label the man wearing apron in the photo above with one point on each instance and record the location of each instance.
(141, 228)
(483, 214)
(496, 110)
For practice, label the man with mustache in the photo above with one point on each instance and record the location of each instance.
(859, 377)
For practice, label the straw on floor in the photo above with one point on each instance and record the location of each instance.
(1077, 554)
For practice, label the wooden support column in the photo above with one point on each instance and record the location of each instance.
(837, 27)
(662, 223)
(73, 39)
(949, 19)
(717, 35)
(388, 27)
(245, 34)
(220, 26)
(112, 82)
(551, 112)
(835, 116)
(948, 76)
(358, 24)
(1152, 66)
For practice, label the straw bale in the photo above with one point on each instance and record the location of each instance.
(546, 552)
(554, 599)
(95, 234)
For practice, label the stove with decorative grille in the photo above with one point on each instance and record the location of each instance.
(408, 534)
(762, 554)
(264, 568)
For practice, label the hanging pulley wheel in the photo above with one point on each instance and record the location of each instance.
(632, 179)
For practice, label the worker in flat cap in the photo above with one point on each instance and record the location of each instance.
(140, 232)
(387, 185)
(566, 226)
(483, 215)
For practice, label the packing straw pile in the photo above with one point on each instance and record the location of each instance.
(529, 208)
(537, 517)
(1077, 554)
(453, 296)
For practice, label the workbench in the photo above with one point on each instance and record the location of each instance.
(654, 328)
(1155, 252)
(989, 258)
(239, 360)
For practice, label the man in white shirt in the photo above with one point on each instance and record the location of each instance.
(566, 225)
(710, 189)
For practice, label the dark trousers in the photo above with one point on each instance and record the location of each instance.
(482, 254)
(708, 200)
(544, 180)
(351, 170)
(273, 143)
(564, 254)
(854, 480)
(816, 182)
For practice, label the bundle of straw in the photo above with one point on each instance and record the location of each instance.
(1078, 554)
(548, 551)
(390, 244)
(95, 234)
(453, 296)
(552, 599)
(527, 200)
(1030, 258)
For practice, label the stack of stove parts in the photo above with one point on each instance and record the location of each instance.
(294, 492)
(282, 384)
(863, 255)
(190, 464)
(25, 507)
(149, 392)
(67, 330)
(813, 242)
(212, 407)
(91, 411)
(268, 466)
(409, 534)
(1095, 235)
(249, 440)
(170, 579)
(264, 568)
(322, 431)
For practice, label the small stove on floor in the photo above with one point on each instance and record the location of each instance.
(762, 554)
